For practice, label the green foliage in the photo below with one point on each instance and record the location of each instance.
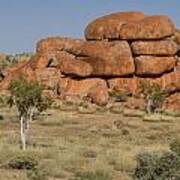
(175, 146)
(159, 166)
(22, 162)
(36, 174)
(27, 94)
(3, 64)
(97, 175)
(153, 95)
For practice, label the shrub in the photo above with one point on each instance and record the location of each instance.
(36, 174)
(153, 94)
(157, 167)
(22, 162)
(175, 146)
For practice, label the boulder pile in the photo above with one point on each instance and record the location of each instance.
(120, 50)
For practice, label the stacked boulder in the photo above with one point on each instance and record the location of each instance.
(120, 51)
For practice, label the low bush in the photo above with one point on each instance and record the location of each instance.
(159, 166)
(23, 162)
(175, 146)
(37, 174)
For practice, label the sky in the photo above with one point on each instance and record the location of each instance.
(24, 22)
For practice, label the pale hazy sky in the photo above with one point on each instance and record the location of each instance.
(23, 22)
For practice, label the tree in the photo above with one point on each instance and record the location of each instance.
(153, 94)
(27, 97)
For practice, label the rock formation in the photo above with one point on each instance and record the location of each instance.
(120, 51)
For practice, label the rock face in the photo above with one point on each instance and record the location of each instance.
(124, 85)
(109, 58)
(151, 65)
(163, 47)
(173, 102)
(121, 51)
(94, 87)
(58, 44)
(69, 65)
(153, 27)
(109, 26)
(169, 82)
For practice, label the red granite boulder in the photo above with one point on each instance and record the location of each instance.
(151, 27)
(162, 47)
(109, 26)
(151, 65)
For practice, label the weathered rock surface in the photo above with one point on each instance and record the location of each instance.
(49, 77)
(152, 27)
(65, 62)
(169, 82)
(124, 85)
(58, 44)
(109, 26)
(95, 88)
(69, 65)
(151, 65)
(108, 58)
(162, 47)
(173, 102)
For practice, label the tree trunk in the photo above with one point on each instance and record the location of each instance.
(32, 110)
(149, 107)
(23, 132)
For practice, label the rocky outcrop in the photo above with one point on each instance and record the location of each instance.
(121, 51)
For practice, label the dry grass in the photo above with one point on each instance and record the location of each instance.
(66, 143)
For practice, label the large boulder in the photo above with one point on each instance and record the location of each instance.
(65, 62)
(58, 44)
(151, 65)
(95, 88)
(108, 27)
(69, 65)
(161, 47)
(108, 58)
(152, 27)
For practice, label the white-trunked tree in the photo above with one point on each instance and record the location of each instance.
(27, 96)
